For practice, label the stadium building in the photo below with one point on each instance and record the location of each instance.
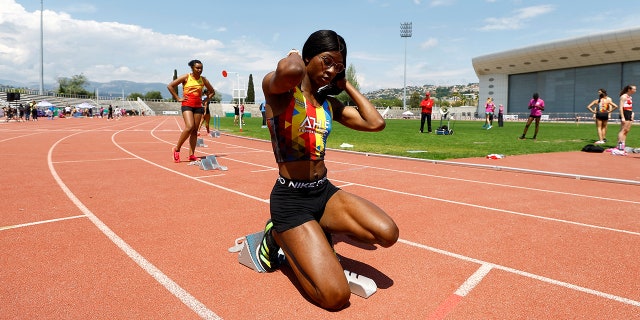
(567, 74)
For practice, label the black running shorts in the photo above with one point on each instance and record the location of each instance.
(199, 110)
(294, 202)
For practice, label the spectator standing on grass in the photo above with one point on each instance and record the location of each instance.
(489, 108)
(536, 105)
(263, 111)
(427, 108)
(236, 114)
(192, 109)
(305, 206)
(602, 108)
(626, 114)
(500, 116)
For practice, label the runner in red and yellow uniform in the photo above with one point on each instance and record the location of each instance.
(192, 109)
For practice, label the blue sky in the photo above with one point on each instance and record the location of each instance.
(144, 41)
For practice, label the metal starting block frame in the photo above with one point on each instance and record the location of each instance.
(216, 126)
(200, 143)
(247, 246)
(210, 162)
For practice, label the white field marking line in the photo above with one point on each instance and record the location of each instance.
(485, 266)
(522, 273)
(264, 170)
(526, 274)
(511, 270)
(97, 160)
(40, 222)
(225, 158)
(178, 123)
(460, 179)
(178, 172)
(489, 183)
(346, 183)
(494, 209)
(499, 168)
(18, 137)
(152, 270)
(210, 176)
(474, 280)
(239, 146)
(184, 296)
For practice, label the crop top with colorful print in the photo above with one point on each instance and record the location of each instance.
(301, 131)
(192, 92)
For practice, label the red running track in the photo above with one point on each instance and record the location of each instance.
(98, 222)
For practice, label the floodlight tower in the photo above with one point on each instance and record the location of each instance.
(41, 92)
(405, 32)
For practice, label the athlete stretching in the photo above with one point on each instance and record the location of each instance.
(306, 208)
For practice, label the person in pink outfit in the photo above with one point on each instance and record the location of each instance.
(536, 105)
(489, 109)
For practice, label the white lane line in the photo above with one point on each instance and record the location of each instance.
(473, 280)
(526, 274)
(94, 160)
(494, 209)
(40, 222)
(184, 296)
(489, 183)
(487, 266)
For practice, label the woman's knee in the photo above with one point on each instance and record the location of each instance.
(388, 235)
(334, 297)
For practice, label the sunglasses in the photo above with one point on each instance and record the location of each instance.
(329, 63)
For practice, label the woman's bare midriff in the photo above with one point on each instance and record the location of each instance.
(303, 170)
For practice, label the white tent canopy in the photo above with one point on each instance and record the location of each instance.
(85, 105)
(44, 103)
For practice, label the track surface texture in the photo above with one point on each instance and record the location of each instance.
(98, 222)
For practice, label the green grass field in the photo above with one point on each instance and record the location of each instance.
(401, 137)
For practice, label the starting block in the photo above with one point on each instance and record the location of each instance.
(215, 134)
(210, 162)
(200, 143)
(360, 285)
(248, 245)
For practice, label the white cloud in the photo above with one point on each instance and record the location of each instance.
(106, 51)
(517, 19)
(430, 43)
(81, 8)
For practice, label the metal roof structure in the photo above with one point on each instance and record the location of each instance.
(611, 47)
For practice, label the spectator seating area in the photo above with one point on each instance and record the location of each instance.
(61, 101)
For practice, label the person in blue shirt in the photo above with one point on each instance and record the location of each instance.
(263, 111)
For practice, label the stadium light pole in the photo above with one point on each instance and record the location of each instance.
(405, 32)
(41, 49)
